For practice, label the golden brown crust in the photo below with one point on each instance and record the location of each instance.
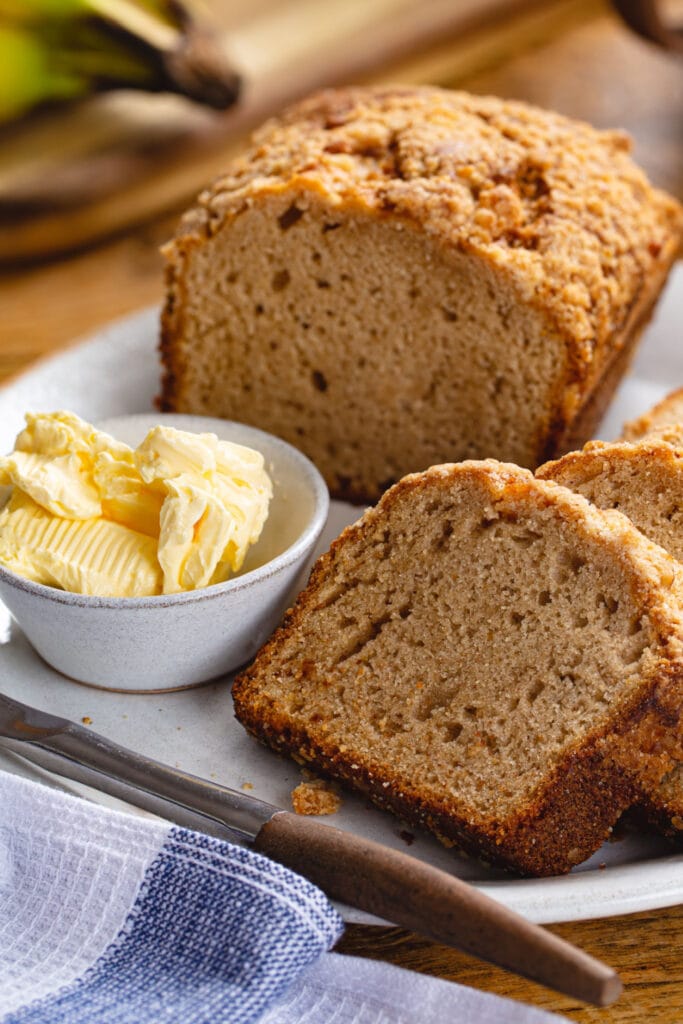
(582, 795)
(668, 412)
(572, 433)
(583, 798)
(595, 457)
(171, 332)
(662, 811)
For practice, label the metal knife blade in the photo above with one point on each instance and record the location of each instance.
(68, 749)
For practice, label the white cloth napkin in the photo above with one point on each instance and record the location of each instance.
(110, 918)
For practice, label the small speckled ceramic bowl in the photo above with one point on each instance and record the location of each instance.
(169, 642)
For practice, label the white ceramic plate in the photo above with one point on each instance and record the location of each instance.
(115, 373)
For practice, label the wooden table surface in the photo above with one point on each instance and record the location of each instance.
(46, 307)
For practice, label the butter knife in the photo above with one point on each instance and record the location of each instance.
(390, 884)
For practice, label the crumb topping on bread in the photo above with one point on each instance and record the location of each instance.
(556, 204)
(663, 420)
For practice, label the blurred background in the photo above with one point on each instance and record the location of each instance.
(114, 114)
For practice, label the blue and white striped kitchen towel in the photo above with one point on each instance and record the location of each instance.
(110, 918)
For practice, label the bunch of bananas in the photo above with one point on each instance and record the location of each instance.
(57, 50)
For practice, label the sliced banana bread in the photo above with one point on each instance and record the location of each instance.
(644, 480)
(391, 278)
(667, 413)
(485, 654)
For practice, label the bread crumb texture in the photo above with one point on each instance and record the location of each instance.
(315, 797)
(396, 277)
(487, 655)
(644, 480)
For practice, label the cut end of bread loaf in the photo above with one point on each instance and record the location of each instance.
(388, 279)
(487, 655)
(359, 340)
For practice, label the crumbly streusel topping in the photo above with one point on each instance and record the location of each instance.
(558, 206)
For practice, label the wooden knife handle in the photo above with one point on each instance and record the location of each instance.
(402, 889)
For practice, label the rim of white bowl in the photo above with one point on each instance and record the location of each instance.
(308, 536)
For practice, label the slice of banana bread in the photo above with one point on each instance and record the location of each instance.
(666, 414)
(644, 480)
(391, 278)
(485, 654)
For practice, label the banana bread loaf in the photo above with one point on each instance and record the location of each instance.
(485, 654)
(390, 278)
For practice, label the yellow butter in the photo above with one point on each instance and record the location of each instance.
(61, 484)
(86, 556)
(125, 498)
(216, 503)
(89, 514)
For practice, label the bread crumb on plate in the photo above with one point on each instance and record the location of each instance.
(315, 797)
